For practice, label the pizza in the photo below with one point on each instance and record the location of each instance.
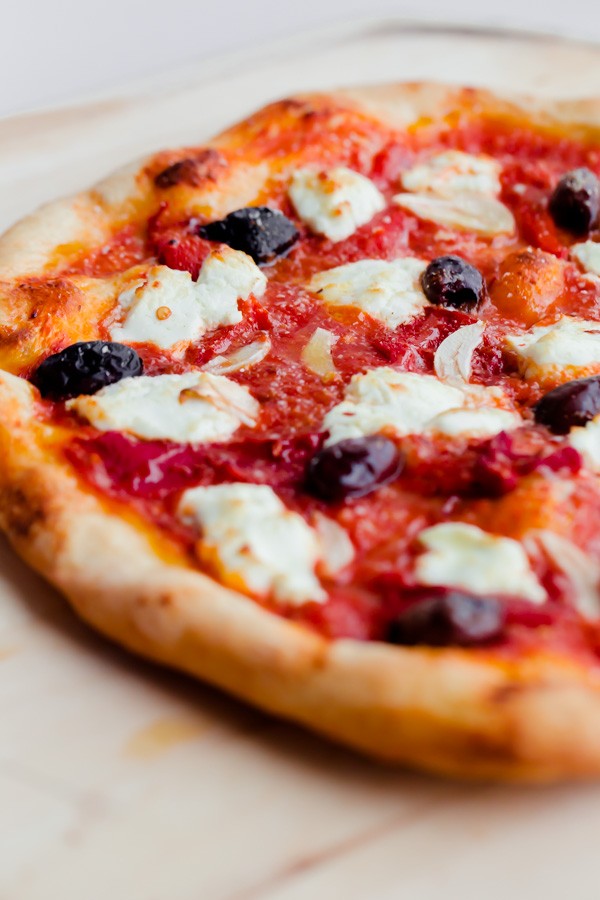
(312, 412)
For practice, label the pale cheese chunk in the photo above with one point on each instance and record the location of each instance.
(454, 173)
(587, 255)
(403, 403)
(388, 291)
(569, 344)
(479, 422)
(195, 407)
(336, 202)
(254, 542)
(586, 439)
(457, 190)
(466, 557)
(166, 307)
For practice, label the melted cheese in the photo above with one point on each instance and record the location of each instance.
(166, 307)
(566, 347)
(196, 407)
(465, 557)
(254, 542)
(336, 202)
(388, 291)
(587, 255)
(457, 190)
(406, 403)
(454, 173)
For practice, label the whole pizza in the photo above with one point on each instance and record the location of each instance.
(312, 412)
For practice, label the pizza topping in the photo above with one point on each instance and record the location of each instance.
(587, 255)
(407, 403)
(453, 174)
(261, 232)
(353, 468)
(482, 215)
(463, 556)
(575, 202)
(568, 405)
(457, 190)
(586, 440)
(242, 359)
(528, 283)
(253, 542)
(558, 351)
(337, 550)
(388, 291)
(451, 281)
(449, 618)
(317, 356)
(582, 572)
(335, 202)
(167, 308)
(85, 368)
(454, 357)
(196, 407)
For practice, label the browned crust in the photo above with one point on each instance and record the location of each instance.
(449, 711)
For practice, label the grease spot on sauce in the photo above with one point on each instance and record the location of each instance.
(162, 736)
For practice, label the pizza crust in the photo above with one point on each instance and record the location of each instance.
(450, 711)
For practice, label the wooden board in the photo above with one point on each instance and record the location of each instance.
(121, 781)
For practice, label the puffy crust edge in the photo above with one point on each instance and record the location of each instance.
(453, 712)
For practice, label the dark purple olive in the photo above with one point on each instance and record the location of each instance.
(451, 281)
(570, 404)
(85, 368)
(449, 617)
(575, 201)
(354, 467)
(261, 232)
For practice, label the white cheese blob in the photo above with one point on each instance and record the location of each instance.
(195, 407)
(457, 190)
(388, 291)
(485, 421)
(466, 557)
(407, 403)
(335, 202)
(547, 350)
(586, 439)
(254, 542)
(454, 173)
(587, 255)
(166, 307)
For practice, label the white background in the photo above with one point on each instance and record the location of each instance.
(56, 51)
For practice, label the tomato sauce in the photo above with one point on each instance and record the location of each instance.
(442, 480)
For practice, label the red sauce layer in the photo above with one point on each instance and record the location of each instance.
(500, 484)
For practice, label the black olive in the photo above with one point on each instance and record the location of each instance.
(451, 281)
(261, 232)
(84, 368)
(449, 617)
(354, 467)
(575, 201)
(570, 404)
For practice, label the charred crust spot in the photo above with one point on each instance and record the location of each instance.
(22, 516)
(193, 171)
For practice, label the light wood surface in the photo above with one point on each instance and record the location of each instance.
(122, 782)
